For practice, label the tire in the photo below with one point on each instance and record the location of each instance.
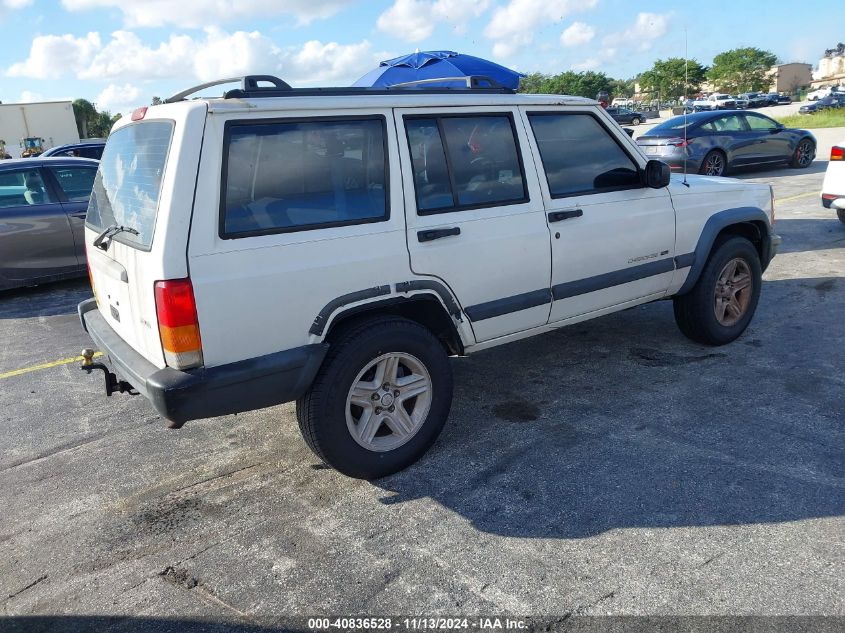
(840, 213)
(696, 312)
(635, 121)
(804, 154)
(328, 416)
(715, 163)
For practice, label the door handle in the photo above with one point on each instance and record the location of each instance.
(80, 214)
(557, 216)
(436, 234)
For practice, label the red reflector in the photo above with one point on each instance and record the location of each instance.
(837, 153)
(139, 113)
(175, 306)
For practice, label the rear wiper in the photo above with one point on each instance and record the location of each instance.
(104, 239)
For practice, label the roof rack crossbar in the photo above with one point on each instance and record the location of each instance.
(249, 83)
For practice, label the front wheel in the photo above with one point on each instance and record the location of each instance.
(380, 399)
(804, 154)
(722, 302)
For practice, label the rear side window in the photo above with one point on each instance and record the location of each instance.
(128, 183)
(580, 156)
(294, 175)
(23, 187)
(463, 162)
(76, 182)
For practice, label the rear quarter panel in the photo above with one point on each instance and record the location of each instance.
(259, 295)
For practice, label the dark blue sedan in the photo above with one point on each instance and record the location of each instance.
(43, 202)
(716, 142)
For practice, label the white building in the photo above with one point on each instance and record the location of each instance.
(831, 68)
(51, 120)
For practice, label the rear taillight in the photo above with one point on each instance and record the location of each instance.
(678, 142)
(837, 153)
(178, 325)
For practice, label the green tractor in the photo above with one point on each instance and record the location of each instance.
(32, 146)
(3, 153)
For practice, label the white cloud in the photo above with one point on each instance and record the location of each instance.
(14, 4)
(27, 96)
(414, 20)
(513, 25)
(577, 34)
(202, 13)
(641, 35)
(53, 56)
(125, 57)
(123, 99)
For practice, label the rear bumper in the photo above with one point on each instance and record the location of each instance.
(832, 201)
(206, 392)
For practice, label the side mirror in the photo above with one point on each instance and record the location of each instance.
(657, 174)
(629, 131)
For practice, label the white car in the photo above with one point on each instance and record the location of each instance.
(334, 247)
(833, 188)
(716, 101)
(821, 93)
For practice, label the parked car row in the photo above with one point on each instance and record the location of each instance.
(742, 101)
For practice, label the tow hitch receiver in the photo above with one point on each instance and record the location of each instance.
(113, 383)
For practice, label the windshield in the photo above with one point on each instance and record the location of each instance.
(128, 184)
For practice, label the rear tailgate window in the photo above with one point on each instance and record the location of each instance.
(128, 184)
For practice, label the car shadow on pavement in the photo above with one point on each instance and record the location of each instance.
(48, 300)
(810, 234)
(783, 171)
(622, 423)
(128, 624)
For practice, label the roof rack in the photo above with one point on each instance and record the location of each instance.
(250, 89)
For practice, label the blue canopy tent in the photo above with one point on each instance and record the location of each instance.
(435, 65)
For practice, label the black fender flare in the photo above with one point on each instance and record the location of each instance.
(715, 224)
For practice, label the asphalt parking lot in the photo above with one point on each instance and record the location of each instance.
(612, 467)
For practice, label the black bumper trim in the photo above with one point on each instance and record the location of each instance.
(207, 392)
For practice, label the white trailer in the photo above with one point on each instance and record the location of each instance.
(51, 120)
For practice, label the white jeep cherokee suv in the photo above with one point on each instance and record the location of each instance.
(334, 247)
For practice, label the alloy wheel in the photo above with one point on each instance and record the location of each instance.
(734, 288)
(389, 401)
(805, 153)
(714, 165)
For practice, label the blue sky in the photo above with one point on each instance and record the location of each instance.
(119, 53)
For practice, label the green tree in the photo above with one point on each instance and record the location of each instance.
(85, 113)
(742, 69)
(580, 84)
(622, 88)
(668, 77)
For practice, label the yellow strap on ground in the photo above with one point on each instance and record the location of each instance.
(55, 363)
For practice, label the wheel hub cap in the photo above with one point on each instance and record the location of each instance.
(388, 401)
(734, 288)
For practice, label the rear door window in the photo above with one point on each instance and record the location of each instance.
(296, 175)
(23, 187)
(464, 162)
(580, 155)
(128, 183)
(75, 182)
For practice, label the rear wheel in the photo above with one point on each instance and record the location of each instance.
(841, 215)
(722, 302)
(804, 154)
(714, 164)
(635, 121)
(380, 399)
